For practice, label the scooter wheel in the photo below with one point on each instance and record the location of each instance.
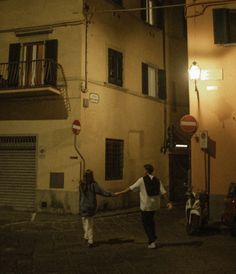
(233, 229)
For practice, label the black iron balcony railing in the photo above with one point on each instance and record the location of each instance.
(33, 74)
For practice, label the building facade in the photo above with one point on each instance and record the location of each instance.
(211, 43)
(97, 65)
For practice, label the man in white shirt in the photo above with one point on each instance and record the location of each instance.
(150, 188)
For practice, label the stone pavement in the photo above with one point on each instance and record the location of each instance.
(54, 244)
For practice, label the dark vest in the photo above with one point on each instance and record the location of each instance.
(152, 185)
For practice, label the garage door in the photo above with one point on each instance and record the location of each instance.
(18, 172)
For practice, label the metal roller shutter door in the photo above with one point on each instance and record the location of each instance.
(18, 172)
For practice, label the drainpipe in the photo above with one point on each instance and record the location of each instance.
(163, 149)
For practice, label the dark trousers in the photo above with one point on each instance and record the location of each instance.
(149, 225)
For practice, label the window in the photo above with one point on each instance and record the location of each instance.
(32, 64)
(115, 67)
(119, 2)
(152, 16)
(224, 22)
(114, 159)
(153, 82)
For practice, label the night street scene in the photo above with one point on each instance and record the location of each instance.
(117, 136)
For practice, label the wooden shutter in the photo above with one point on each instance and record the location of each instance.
(220, 25)
(119, 73)
(144, 79)
(111, 66)
(143, 12)
(159, 15)
(162, 84)
(13, 64)
(51, 52)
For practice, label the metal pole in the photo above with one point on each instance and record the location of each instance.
(82, 169)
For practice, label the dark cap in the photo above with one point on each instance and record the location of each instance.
(149, 168)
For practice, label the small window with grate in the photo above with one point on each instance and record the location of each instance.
(114, 159)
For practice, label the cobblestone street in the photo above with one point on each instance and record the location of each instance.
(54, 244)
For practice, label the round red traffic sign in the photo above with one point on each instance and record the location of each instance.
(188, 124)
(76, 127)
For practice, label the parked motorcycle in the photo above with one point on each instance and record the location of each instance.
(196, 211)
(229, 216)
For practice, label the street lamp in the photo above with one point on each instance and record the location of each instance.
(195, 73)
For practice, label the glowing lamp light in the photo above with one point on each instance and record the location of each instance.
(194, 71)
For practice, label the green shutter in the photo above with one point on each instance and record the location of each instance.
(143, 12)
(119, 57)
(13, 67)
(51, 51)
(144, 79)
(162, 84)
(159, 13)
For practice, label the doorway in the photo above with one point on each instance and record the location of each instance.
(179, 168)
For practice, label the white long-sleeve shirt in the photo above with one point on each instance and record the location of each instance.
(147, 203)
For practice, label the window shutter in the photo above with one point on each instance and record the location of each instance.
(51, 51)
(162, 84)
(119, 57)
(143, 12)
(220, 24)
(111, 66)
(13, 67)
(144, 79)
(159, 15)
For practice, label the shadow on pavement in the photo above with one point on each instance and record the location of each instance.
(192, 243)
(114, 241)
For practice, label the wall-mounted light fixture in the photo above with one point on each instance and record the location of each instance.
(195, 73)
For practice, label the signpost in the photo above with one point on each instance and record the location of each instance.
(188, 124)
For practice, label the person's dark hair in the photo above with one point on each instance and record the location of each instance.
(88, 180)
(149, 168)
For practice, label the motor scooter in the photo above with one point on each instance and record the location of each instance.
(196, 211)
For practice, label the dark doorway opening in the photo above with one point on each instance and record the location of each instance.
(179, 167)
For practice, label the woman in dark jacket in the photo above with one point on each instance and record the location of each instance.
(88, 203)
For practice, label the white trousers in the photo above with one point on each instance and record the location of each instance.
(88, 228)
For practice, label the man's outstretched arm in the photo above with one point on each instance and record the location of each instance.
(122, 192)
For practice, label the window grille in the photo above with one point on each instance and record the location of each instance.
(114, 159)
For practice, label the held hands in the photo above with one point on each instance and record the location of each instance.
(118, 193)
(169, 205)
(122, 192)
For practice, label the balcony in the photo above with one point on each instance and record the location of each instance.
(33, 81)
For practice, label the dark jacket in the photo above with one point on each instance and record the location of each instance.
(88, 201)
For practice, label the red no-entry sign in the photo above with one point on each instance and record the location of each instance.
(188, 124)
(76, 127)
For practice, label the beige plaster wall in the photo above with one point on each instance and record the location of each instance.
(214, 110)
(121, 113)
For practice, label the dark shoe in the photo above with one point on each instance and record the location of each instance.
(90, 245)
